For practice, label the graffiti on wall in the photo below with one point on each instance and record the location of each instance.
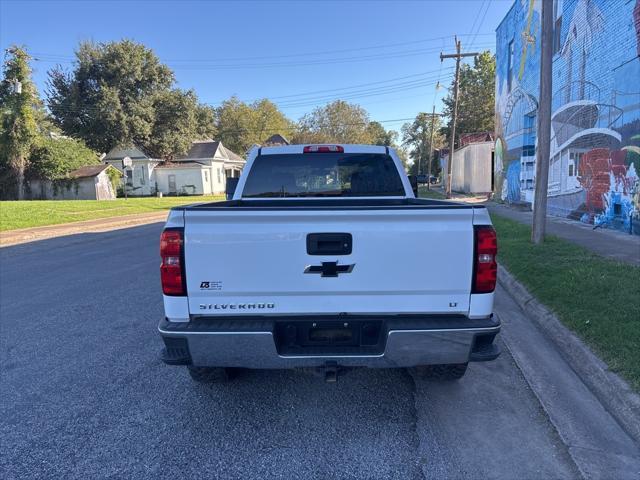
(611, 184)
(595, 138)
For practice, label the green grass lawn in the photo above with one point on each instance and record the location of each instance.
(424, 193)
(597, 298)
(36, 213)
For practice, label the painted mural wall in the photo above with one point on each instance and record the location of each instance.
(595, 120)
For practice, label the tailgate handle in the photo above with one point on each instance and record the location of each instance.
(329, 243)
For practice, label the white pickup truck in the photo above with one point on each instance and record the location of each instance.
(325, 258)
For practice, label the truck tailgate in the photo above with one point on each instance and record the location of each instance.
(248, 262)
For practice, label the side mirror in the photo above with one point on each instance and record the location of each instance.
(230, 187)
(413, 180)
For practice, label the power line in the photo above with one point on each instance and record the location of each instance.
(355, 86)
(477, 16)
(55, 56)
(364, 93)
(331, 90)
(212, 65)
(302, 102)
(480, 24)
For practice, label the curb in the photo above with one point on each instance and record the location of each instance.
(20, 236)
(612, 391)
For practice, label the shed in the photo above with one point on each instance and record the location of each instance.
(86, 183)
(472, 168)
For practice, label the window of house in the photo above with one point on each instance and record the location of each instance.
(574, 161)
(219, 176)
(128, 173)
(529, 135)
(557, 27)
(206, 176)
(510, 62)
(143, 180)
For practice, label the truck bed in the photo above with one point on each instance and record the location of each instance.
(324, 204)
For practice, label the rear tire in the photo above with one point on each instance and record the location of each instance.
(448, 372)
(210, 374)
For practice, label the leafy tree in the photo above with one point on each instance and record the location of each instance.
(240, 125)
(336, 122)
(416, 137)
(476, 99)
(18, 127)
(380, 136)
(53, 158)
(110, 98)
(179, 120)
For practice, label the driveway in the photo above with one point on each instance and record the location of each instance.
(84, 394)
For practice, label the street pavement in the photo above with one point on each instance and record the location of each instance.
(83, 393)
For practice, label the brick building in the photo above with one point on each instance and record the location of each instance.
(595, 137)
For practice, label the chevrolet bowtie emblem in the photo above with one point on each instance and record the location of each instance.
(329, 269)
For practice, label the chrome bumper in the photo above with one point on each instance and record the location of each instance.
(250, 343)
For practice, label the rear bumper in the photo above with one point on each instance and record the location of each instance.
(406, 341)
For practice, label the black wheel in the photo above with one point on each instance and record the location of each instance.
(210, 374)
(454, 371)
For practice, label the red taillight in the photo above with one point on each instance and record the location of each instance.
(485, 267)
(323, 149)
(171, 268)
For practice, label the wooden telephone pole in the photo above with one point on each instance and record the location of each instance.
(433, 122)
(456, 92)
(544, 126)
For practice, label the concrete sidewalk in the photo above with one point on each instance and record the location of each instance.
(24, 235)
(612, 244)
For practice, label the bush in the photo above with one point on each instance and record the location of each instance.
(53, 159)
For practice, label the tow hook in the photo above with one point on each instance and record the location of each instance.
(331, 372)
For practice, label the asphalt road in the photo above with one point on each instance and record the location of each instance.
(85, 395)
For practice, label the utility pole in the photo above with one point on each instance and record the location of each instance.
(456, 91)
(544, 126)
(433, 122)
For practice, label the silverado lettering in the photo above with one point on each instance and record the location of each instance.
(233, 306)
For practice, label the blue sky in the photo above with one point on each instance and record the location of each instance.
(383, 55)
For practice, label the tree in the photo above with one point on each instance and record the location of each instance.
(53, 158)
(179, 119)
(110, 98)
(476, 101)
(380, 136)
(389, 138)
(336, 122)
(416, 137)
(240, 125)
(20, 103)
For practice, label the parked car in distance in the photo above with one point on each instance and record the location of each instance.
(324, 258)
(422, 178)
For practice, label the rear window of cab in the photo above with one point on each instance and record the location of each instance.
(323, 175)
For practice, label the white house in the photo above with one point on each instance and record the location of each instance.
(202, 171)
(140, 179)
